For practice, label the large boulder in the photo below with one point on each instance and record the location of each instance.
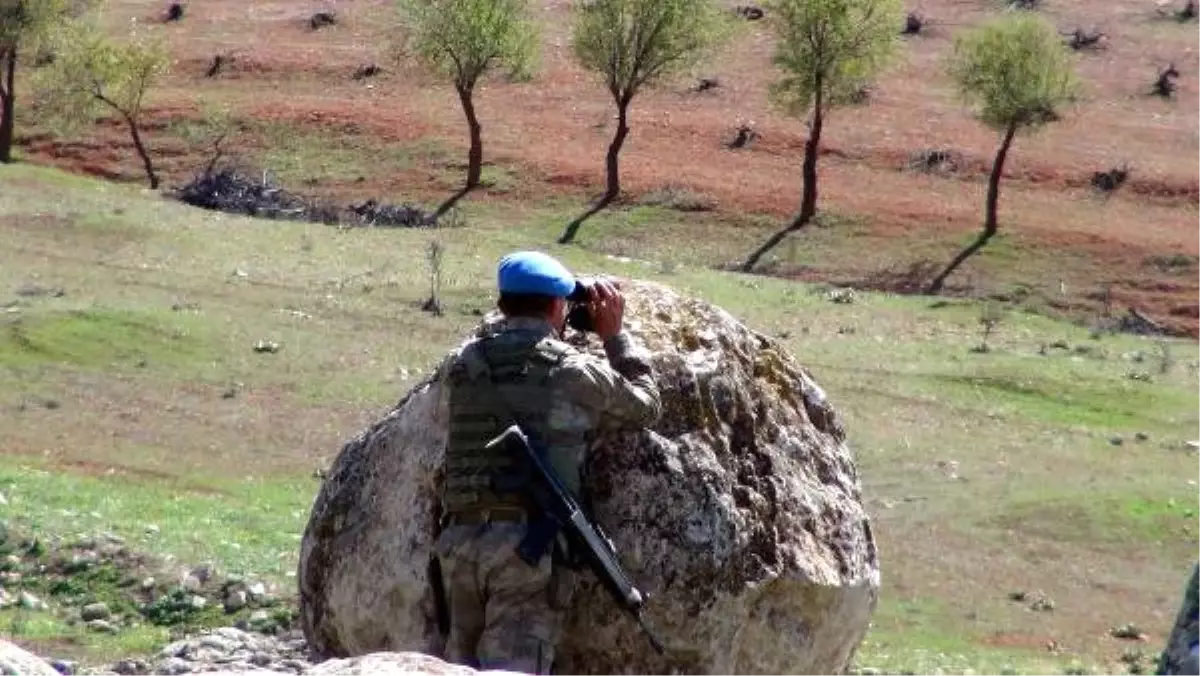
(739, 513)
(16, 660)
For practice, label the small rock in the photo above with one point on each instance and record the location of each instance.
(266, 346)
(198, 602)
(259, 616)
(3, 500)
(30, 602)
(260, 659)
(257, 591)
(1042, 605)
(172, 666)
(64, 667)
(843, 296)
(191, 583)
(202, 573)
(152, 529)
(218, 645)
(131, 667)
(235, 601)
(147, 584)
(95, 611)
(102, 626)
(1128, 631)
(34, 290)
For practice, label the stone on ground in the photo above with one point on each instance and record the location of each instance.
(393, 664)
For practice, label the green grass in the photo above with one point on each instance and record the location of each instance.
(47, 631)
(1119, 518)
(1056, 394)
(250, 527)
(914, 636)
(144, 434)
(101, 338)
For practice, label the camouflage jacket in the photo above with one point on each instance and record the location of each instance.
(587, 394)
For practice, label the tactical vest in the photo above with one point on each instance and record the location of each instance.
(497, 380)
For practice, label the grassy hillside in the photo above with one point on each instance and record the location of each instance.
(1064, 248)
(135, 403)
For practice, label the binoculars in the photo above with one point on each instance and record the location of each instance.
(579, 315)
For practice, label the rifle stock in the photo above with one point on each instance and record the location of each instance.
(556, 503)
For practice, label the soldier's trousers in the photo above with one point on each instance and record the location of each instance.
(504, 613)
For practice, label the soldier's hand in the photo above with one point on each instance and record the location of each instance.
(607, 307)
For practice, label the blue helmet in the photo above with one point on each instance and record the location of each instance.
(534, 272)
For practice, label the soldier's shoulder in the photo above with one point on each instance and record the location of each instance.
(455, 357)
(558, 350)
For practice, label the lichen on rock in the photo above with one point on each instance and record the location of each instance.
(739, 513)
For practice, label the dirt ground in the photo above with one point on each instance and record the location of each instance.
(551, 133)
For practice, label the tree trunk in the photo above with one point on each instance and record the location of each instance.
(141, 151)
(612, 171)
(8, 67)
(475, 154)
(990, 223)
(808, 198)
(612, 161)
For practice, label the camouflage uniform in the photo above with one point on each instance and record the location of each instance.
(504, 613)
(1180, 657)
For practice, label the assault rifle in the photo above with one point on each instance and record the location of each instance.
(560, 511)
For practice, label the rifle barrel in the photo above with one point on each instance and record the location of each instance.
(655, 642)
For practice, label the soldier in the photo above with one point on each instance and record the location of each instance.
(1182, 655)
(504, 613)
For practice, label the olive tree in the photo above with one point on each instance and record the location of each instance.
(24, 25)
(1016, 71)
(632, 45)
(93, 74)
(826, 51)
(464, 40)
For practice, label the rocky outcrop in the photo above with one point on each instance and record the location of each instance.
(230, 652)
(739, 513)
(15, 660)
(224, 650)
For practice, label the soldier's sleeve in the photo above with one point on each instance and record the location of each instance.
(624, 388)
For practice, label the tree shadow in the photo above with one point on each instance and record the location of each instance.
(568, 235)
(450, 202)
